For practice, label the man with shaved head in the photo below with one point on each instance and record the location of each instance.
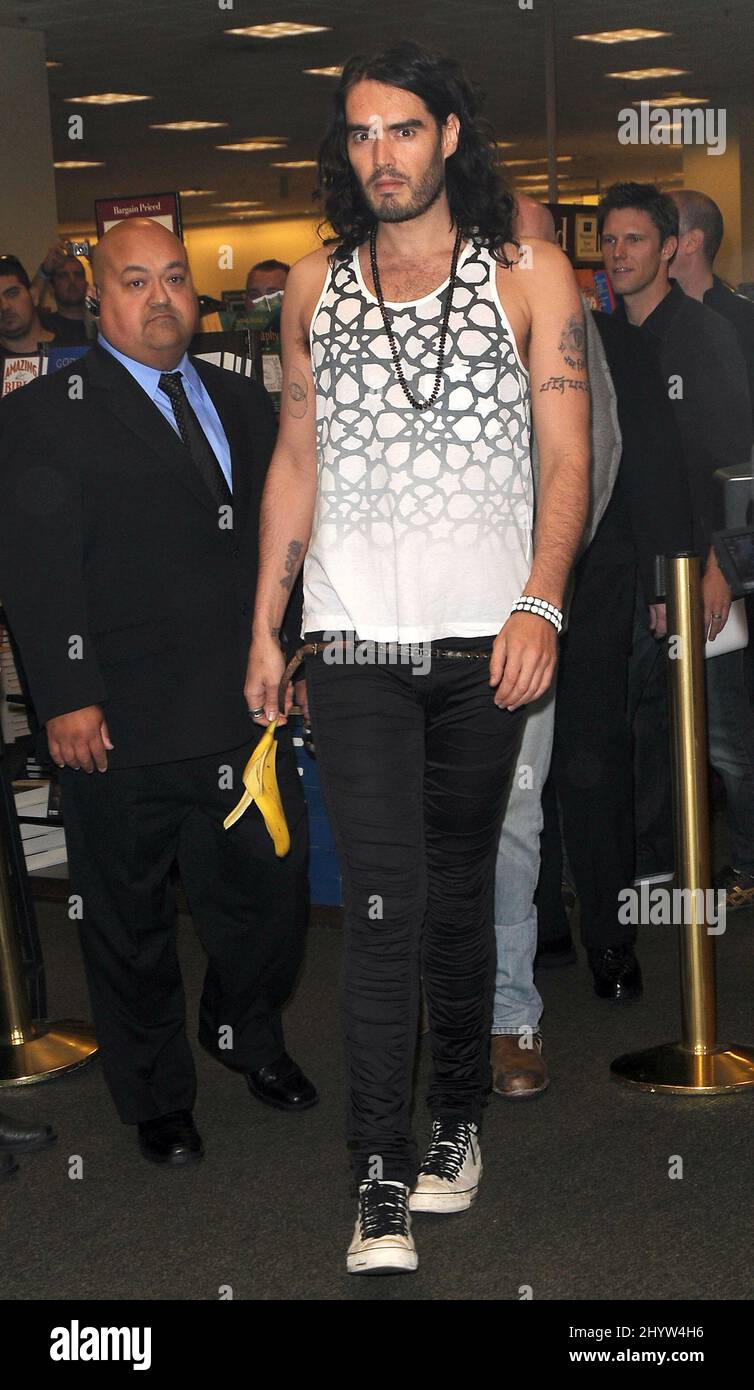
(533, 218)
(700, 233)
(128, 539)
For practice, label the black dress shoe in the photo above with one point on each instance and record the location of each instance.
(172, 1139)
(8, 1166)
(617, 973)
(283, 1085)
(557, 951)
(16, 1137)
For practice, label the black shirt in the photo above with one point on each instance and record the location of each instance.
(739, 311)
(706, 381)
(69, 332)
(649, 513)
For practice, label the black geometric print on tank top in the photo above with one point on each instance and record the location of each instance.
(461, 468)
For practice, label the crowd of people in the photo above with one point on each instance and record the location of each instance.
(25, 322)
(471, 464)
(27, 318)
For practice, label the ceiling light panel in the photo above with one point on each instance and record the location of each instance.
(519, 163)
(251, 146)
(187, 125)
(644, 74)
(282, 30)
(107, 98)
(672, 99)
(623, 35)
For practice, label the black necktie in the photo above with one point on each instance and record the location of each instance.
(194, 437)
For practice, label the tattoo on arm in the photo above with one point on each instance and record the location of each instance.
(294, 550)
(275, 631)
(298, 394)
(561, 383)
(572, 345)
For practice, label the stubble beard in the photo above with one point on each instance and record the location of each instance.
(425, 195)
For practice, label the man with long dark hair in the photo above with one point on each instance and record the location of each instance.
(413, 349)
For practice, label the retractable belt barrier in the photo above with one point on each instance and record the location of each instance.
(30, 1049)
(698, 1064)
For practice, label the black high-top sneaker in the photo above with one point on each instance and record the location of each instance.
(382, 1240)
(449, 1176)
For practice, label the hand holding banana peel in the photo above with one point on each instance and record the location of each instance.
(260, 778)
(261, 786)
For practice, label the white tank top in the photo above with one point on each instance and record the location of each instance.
(423, 519)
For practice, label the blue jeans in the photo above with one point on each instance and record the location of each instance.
(517, 1002)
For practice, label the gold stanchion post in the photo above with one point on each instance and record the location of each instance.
(698, 1064)
(30, 1050)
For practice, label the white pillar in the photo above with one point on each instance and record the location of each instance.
(28, 206)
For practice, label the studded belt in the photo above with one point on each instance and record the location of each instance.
(312, 648)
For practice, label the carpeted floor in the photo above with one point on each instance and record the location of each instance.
(577, 1201)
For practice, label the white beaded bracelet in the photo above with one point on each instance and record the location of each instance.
(541, 608)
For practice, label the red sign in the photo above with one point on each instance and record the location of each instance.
(161, 207)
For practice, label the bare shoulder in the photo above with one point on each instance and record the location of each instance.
(543, 264)
(303, 287)
(308, 274)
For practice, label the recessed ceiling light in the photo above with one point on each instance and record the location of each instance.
(239, 203)
(295, 164)
(249, 146)
(196, 192)
(640, 74)
(515, 163)
(623, 35)
(79, 163)
(325, 72)
(187, 125)
(107, 98)
(672, 99)
(281, 30)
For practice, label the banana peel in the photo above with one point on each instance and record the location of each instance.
(261, 786)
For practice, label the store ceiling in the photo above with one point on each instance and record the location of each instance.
(176, 51)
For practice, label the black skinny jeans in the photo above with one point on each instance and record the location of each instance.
(415, 771)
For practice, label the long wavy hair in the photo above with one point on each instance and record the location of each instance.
(481, 204)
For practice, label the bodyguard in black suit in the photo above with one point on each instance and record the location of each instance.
(130, 492)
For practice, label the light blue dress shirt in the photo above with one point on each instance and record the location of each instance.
(148, 378)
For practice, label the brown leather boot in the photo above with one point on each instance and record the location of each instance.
(518, 1072)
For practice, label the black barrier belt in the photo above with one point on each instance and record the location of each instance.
(22, 902)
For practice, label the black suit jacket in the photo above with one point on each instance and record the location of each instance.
(123, 585)
(699, 353)
(650, 511)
